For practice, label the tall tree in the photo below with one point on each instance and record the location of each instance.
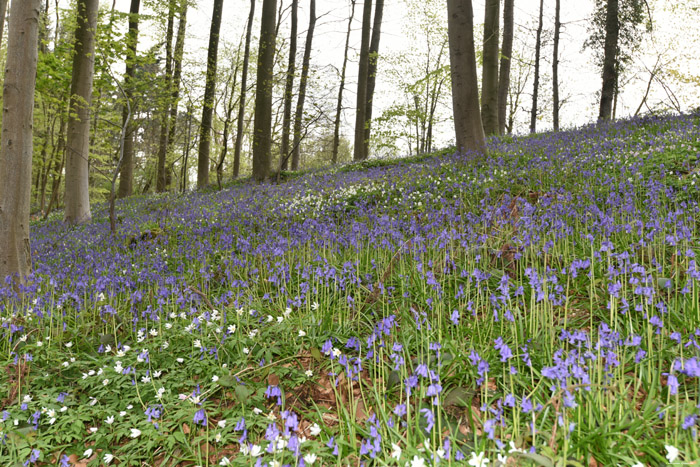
(372, 70)
(612, 32)
(209, 91)
(469, 131)
(177, 73)
(126, 178)
(362, 75)
(16, 143)
(341, 88)
(77, 196)
(536, 85)
(489, 76)
(262, 129)
(289, 87)
(555, 66)
(299, 114)
(504, 71)
(161, 177)
(244, 92)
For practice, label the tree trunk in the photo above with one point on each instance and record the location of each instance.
(362, 74)
(209, 91)
(536, 86)
(489, 76)
(177, 74)
(504, 72)
(165, 110)
(126, 178)
(341, 88)
(372, 70)
(16, 140)
(244, 91)
(299, 115)
(78, 143)
(465, 89)
(3, 15)
(555, 66)
(228, 121)
(187, 149)
(289, 88)
(262, 134)
(612, 31)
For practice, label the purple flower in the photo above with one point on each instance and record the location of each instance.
(200, 418)
(429, 419)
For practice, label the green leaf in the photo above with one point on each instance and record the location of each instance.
(393, 379)
(316, 354)
(540, 459)
(242, 393)
(227, 381)
(460, 397)
(664, 282)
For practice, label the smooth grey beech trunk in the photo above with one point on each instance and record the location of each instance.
(504, 71)
(16, 140)
(612, 32)
(77, 198)
(299, 113)
(126, 176)
(244, 92)
(262, 129)
(361, 107)
(555, 65)
(209, 91)
(536, 84)
(161, 175)
(469, 133)
(489, 71)
(372, 70)
(289, 88)
(341, 88)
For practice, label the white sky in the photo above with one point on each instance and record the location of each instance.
(579, 78)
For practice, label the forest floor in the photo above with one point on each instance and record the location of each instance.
(540, 309)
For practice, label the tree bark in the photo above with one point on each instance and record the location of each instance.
(77, 197)
(555, 66)
(262, 131)
(165, 110)
(362, 74)
(469, 131)
(341, 88)
(489, 76)
(299, 114)
(16, 143)
(126, 178)
(504, 72)
(372, 70)
(209, 91)
(289, 88)
(177, 75)
(3, 14)
(244, 91)
(612, 32)
(228, 121)
(536, 85)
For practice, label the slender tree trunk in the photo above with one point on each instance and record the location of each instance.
(362, 74)
(504, 72)
(187, 148)
(612, 31)
(465, 88)
(299, 115)
(489, 76)
(555, 66)
(78, 143)
(177, 75)
(289, 88)
(161, 177)
(262, 130)
(372, 70)
(341, 88)
(16, 140)
(59, 162)
(536, 86)
(126, 178)
(244, 92)
(228, 121)
(209, 91)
